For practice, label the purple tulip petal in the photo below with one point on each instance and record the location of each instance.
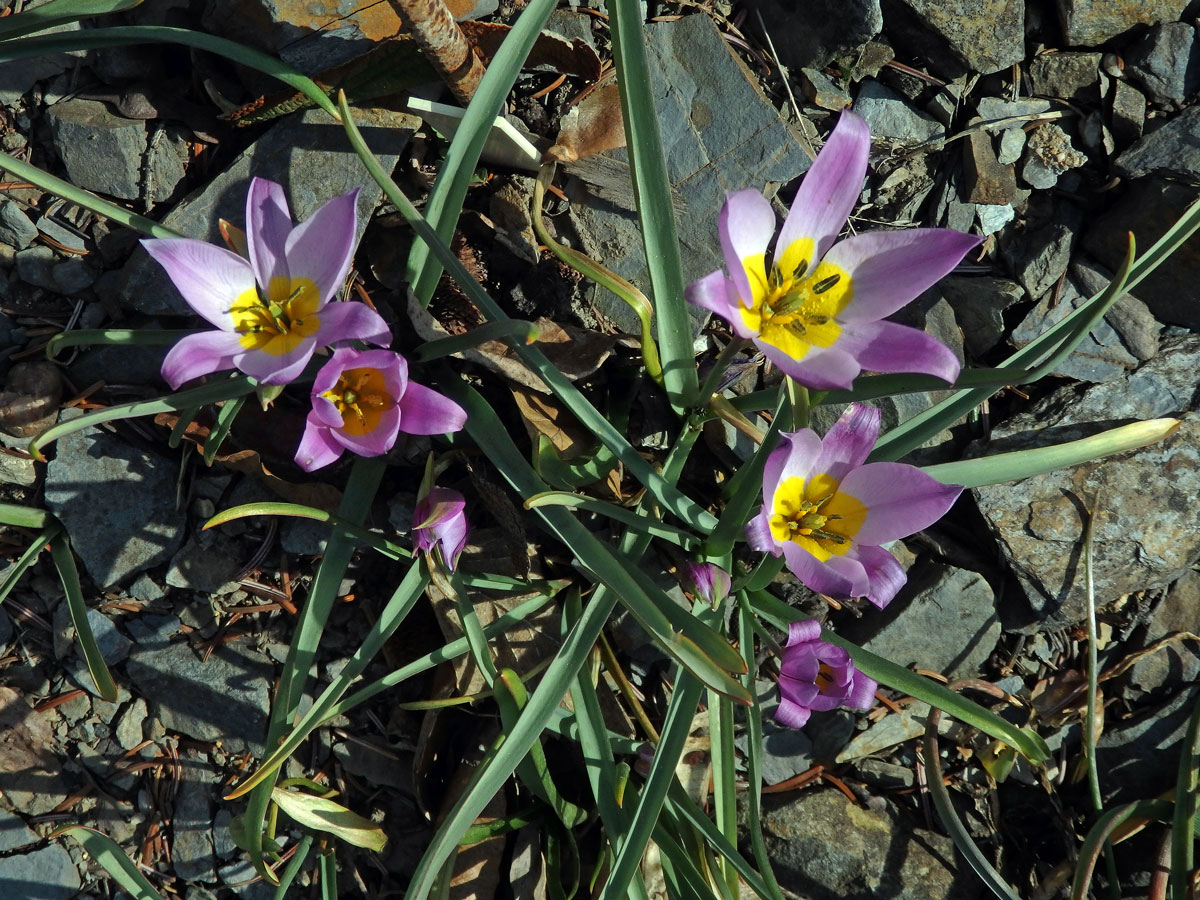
(804, 630)
(759, 537)
(831, 369)
(846, 445)
(199, 354)
(851, 570)
(210, 278)
(717, 294)
(793, 458)
(452, 534)
(862, 692)
(440, 518)
(888, 347)
(884, 573)
(746, 226)
(793, 715)
(322, 247)
(823, 577)
(830, 187)
(269, 368)
(317, 447)
(900, 500)
(376, 442)
(352, 321)
(890, 268)
(424, 411)
(325, 412)
(268, 224)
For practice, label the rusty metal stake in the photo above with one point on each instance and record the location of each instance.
(444, 44)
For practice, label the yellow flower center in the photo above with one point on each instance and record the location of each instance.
(816, 515)
(361, 396)
(282, 321)
(794, 308)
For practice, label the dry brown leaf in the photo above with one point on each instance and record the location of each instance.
(552, 51)
(543, 414)
(314, 494)
(591, 126)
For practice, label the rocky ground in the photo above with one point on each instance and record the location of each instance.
(1052, 129)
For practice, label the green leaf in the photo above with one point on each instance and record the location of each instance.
(1183, 838)
(58, 12)
(25, 516)
(321, 814)
(509, 330)
(279, 508)
(112, 859)
(28, 558)
(113, 337)
(64, 562)
(627, 517)
(220, 430)
(1003, 467)
(652, 190)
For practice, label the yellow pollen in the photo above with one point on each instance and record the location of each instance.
(280, 321)
(816, 515)
(361, 397)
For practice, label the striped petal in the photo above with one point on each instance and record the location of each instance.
(199, 354)
(830, 188)
(900, 500)
(847, 444)
(322, 247)
(210, 278)
(351, 321)
(424, 411)
(746, 226)
(831, 369)
(889, 347)
(718, 294)
(885, 574)
(282, 368)
(268, 225)
(317, 447)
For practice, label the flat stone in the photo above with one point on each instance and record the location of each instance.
(45, 873)
(833, 29)
(1067, 75)
(71, 276)
(129, 732)
(944, 619)
(993, 218)
(1012, 142)
(1172, 151)
(1100, 356)
(114, 646)
(825, 847)
(60, 233)
(1148, 208)
(35, 266)
(959, 36)
(987, 180)
(890, 116)
(821, 90)
(1038, 256)
(117, 503)
(15, 228)
(308, 154)
(1165, 64)
(1089, 23)
(1179, 662)
(224, 698)
(719, 134)
(17, 76)
(192, 844)
(1144, 537)
(992, 108)
(101, 151)
(1128, 113)
(206, 563)
(979, 305)
(1130, 755)
(1129, 317)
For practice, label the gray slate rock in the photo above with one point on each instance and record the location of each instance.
(1100, 356)
(979, 305)
(1129, 317)
(832, 29)
(944, 620)
(101, 151)
(1089, 23)
(1164, 63)
(1148, 208)
(35, 266)
(114, 646)
(1128, 113)
(117, 503)
(1138, 759)
(308, 154)
(224, 698)
(1172, 151)
(890, 115)
(957, 36)
(17, 76)
(1177, 663)
(46, 873)
(15, 228)
(1067, 76)
(824, 847)
(1039, 256)
(1146, 535)
(192, 843)
(206, 563)
(719, 133)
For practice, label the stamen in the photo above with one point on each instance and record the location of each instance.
(799, 271)
(825, 284)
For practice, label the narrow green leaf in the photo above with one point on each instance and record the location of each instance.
(872, 387)
(1089, 852)
(321, 814)
(1004, 467)
(509, 330)
(652, 190)
(293, 867)
(25, 516)
(462, 156)
(279, 508)
(220, 430)
(636, 521)
(113, 337)
(226, 389)
(32, 552)
(58, 12)
(112, 859)
(64, 562)
(1183, 839)
(327, 867)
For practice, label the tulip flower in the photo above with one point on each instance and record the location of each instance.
(816, 309)
(816, 676)
(440, 519)
(362, 400)
(828, 513)
(708, 581)
(271, 311)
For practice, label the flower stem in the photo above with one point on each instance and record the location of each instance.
(735, 346)
(723, 409)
